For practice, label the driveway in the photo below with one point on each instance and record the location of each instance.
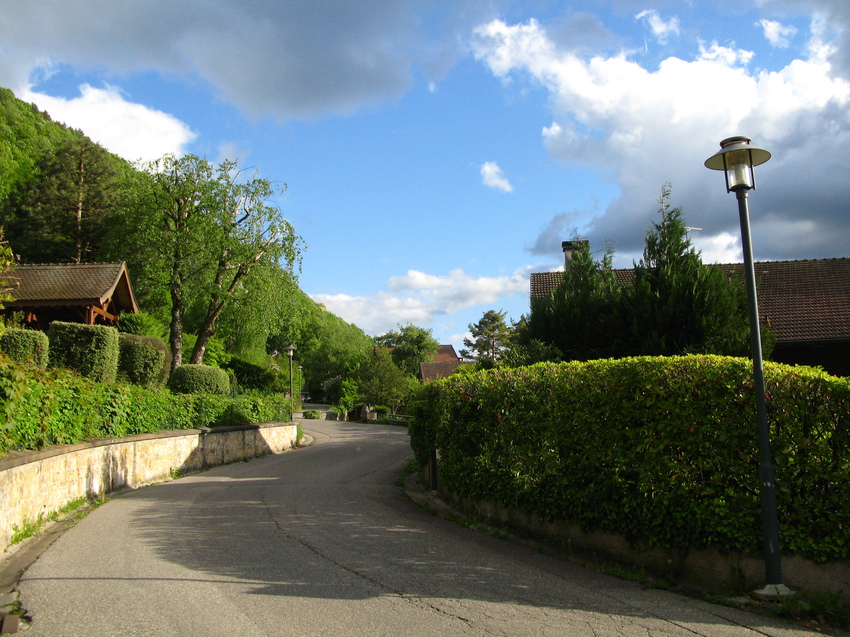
(320, 541)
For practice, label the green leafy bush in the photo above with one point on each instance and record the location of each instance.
(141, 324)
(661, 450)
(26, 346)
(199, 379)
(55, 406)
(90, 350)
(143, 360)
(251, 376)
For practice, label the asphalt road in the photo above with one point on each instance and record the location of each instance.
(320, 541)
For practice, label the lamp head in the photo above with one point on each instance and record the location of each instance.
(736, 158)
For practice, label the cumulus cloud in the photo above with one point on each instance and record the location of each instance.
(662, 30)
(493, 177)
(420, 298)
(647, 127)
(778, 35)
(286, 59)
(130, 130)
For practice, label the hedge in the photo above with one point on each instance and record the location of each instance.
(54, 406)
(26, 346)
(661, 450)
(90, 350)
(143, 360)
(198, 379)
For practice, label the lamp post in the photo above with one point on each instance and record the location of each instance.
(300, 381)
(290, 350)
(736, 158)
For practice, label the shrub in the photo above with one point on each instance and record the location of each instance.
(313, 414)
(26, 346)
(90, 350)
(141, 324)
(251, 376)
(199, 379)
(143, 360)
(661, 450)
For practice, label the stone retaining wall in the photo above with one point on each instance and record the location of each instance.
(39, 482)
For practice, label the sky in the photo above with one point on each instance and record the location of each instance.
(436, 152)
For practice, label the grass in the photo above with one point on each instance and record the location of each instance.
(29, 528)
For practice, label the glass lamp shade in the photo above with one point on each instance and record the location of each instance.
(736, 158)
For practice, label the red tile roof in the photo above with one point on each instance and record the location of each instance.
(435, 371)
(446, 354)
(72, 284)
(803, 301)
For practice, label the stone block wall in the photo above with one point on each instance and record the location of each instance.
(36, 483)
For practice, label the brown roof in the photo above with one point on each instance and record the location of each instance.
(802, 300)
(435, 371)
(72, 284)
(446, 354)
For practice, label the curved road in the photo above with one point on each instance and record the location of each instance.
(319, 541)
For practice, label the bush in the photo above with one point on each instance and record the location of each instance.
(143, 360)
(251, 376)
(26, 346)
(199, 379)
(90, 350)
(661, 450)
(141, 324)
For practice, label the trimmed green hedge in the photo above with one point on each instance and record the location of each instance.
(90, 350)
(54, 407)
(251, 376)
(143, 360)
(199, 379)
(26, 346)
(661, 450)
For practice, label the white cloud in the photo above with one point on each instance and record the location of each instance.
(493, 177)
(125, 128)
(778, 35)
(647, 127)
(419, 298)
(660, 29)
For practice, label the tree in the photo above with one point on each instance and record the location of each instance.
(381, 382)
(490, 336)
(678, 305)
(61, 212)
(580, 318)
(410, 346)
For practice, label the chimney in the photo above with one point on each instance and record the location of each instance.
(569, 247)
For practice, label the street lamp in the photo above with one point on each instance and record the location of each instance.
(736, 158)
(290, 349)
(300, 381)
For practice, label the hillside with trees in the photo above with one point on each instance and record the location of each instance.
(213, 261)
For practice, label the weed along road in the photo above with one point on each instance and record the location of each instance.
(321, 541)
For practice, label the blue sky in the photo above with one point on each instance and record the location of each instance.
(438, 152)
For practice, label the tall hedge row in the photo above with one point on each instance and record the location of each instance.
(143, 360)
(661, 450)
(53, 406)
(90, 350)
(25, 346)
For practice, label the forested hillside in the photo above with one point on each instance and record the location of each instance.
(213, 261)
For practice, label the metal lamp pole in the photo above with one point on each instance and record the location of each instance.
(290, 349)
(736, 158)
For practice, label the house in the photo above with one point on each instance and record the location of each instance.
(445, 362)
(806, 304)
(90, 293)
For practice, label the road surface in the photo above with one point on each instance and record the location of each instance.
(320, 541)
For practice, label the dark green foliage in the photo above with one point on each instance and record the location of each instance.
(26, 346)
(661, 450)
(410, 346)
(53, 406)
(251, 376)
(199, 379)
(141, 323)
(490, 336)
(381, 381)
(90, 350)
(143, 360)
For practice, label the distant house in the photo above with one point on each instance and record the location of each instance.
(445, 362)
(805, 303)
(90, 293)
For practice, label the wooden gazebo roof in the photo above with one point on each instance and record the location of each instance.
(81, 292)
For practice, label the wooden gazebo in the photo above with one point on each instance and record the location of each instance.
(90, 293)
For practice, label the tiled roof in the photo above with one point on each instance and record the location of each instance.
(446, 354)
(801, 300)
(71, 284)
(435, 371)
